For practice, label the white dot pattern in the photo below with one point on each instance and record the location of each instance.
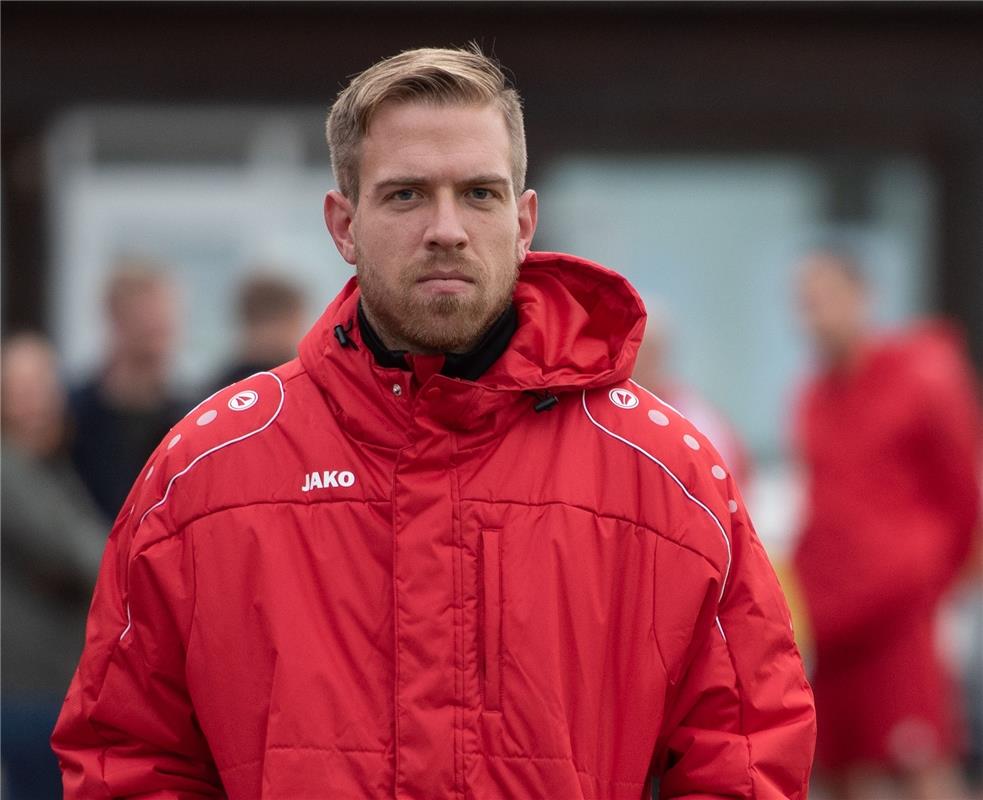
(732, 506)
(207, 417)
(174, 441)
(658, 417)
(691, 442)
(718, 472)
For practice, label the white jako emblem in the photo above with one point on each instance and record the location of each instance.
(242, 400)
(622, 398)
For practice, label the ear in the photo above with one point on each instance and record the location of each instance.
(528, 215)
(339, 214)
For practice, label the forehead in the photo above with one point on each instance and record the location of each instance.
(432, 140)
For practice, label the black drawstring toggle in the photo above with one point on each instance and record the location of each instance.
(341, 334)
(546, 402)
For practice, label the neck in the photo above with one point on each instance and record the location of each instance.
(848, 356)
(134, 384)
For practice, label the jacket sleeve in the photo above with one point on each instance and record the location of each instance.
(740, 720)
(948, 441)
(127, 727)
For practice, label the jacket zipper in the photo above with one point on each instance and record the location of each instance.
(491, 577)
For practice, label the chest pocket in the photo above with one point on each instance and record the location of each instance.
(490, 622)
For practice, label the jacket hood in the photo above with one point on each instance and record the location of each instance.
(580, 326)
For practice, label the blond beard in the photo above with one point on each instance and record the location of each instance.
(439, 324)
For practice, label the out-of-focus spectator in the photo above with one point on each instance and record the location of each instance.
(53, 537)
(271, 317)
(888, 432)
(127, 407)
(652, 370)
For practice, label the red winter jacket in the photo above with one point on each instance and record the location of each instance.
(892, 448)
(881, 549)
(337, 580)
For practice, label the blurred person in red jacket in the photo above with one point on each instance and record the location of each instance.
(888, 431)
(451, 550)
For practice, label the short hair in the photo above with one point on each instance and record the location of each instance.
(265, 297)
(440, 76)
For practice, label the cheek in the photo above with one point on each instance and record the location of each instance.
(498, 239)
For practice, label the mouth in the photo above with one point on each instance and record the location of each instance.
(445, 275)
(445, 281)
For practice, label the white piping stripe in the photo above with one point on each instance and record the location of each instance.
(656, 397)
(678, 482)
(267, 424)
(129, 623)
(167, 491)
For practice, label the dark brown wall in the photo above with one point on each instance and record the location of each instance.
(839, 82)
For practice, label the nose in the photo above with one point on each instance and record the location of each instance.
(446, 230)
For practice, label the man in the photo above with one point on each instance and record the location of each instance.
(122, 412)
(451, 551)
(270, 313)
(889, 434)
(52, 540)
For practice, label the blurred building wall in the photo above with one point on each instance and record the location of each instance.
(844, 87)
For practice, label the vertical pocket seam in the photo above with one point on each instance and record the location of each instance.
(492, 586)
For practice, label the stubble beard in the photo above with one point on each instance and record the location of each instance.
(441, 323)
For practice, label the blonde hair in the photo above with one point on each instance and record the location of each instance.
(440, 76)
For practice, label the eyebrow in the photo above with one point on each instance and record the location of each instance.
(417, 180)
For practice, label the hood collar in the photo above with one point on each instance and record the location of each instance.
(579, 326)
(469, 366)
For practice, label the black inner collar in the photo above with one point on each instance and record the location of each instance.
(470, 365)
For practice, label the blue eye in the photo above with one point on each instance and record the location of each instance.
(479, 193)
(404, 194)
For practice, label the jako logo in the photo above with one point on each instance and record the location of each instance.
(242, 400)
(328, 479)
(622, 398)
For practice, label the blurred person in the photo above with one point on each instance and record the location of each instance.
(52, 540)
(271, 316)
(652, 370)
(888, 431)
(435, 556)
(127, 406)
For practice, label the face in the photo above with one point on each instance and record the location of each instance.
(33, 398)
(144, 325)
(833, 307)
(438, 233)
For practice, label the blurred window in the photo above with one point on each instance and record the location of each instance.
(716, 238)
(208, 192)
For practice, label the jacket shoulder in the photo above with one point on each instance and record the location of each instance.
(689, 491)
(229, 418)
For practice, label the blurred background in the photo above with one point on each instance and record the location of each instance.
(174, 152)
